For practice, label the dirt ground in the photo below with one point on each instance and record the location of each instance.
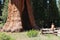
(23, 36)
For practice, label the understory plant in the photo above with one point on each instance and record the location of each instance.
(4, 36)
(32, 33)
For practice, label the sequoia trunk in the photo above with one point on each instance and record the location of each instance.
(13, 22)
(15, 9)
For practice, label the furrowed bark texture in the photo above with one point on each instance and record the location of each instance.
(15, 9)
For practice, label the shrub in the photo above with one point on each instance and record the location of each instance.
(3, 36)
(32, 33)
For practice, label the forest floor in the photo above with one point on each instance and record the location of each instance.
(23, 36)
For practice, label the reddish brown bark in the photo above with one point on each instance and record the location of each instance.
(30, 12)
(15, 9)
(13, 22)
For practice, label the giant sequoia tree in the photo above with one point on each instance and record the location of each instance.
(20, 11)
(15, 12)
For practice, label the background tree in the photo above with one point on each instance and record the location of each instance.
(4, 10)
(45, 12)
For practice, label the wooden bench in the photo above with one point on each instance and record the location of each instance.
(48, 31)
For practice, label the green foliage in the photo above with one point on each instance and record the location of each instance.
(5, 11)
(1, 25)
(32, 33)
(3, 36)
